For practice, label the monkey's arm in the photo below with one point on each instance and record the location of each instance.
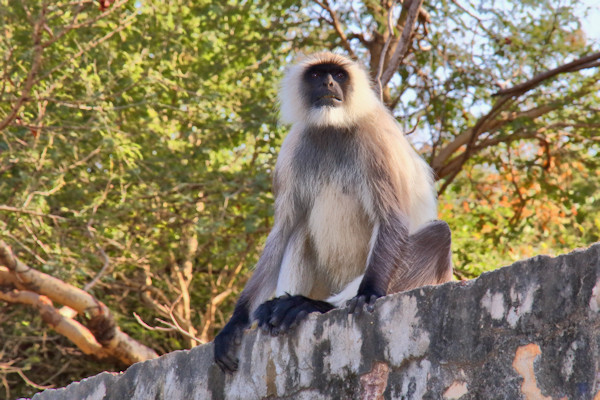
(389, 253)
(258, 289)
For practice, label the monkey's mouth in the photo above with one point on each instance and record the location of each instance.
(328, 100)
(330, 97)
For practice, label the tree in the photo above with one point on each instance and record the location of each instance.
(137, 140)
(136, 144)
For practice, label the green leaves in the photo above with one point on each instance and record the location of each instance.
(146, 127)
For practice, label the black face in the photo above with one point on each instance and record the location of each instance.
(326, 85)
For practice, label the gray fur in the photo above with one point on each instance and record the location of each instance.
(360, 166)
(430, 258)
(352, 198)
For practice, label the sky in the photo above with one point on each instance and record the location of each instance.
(591, 24)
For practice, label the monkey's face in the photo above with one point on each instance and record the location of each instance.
(326, 85)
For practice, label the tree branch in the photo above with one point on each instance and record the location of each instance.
(69, 328)
(74, 25)
(38, 50)
(100, 321)
(96, 42)
(485, 123)
(453, 166)
(335, 22)
(385, 49)
(402, 46)
(576, 65)
(31, 212)
(486, 126)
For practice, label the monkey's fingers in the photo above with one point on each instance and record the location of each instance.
(302, 306)
(228, 361)
(270, 314)
(228, 365)
(292, 319)
(263, 315)
(356, 304)
(371, 303)
(301, 315)
(283, 307)
(282, 314)
(363, 301)
(238, 336)
(264, 326)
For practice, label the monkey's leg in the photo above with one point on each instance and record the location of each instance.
(427, 262)
(389, 251)
(431, 259)
(297, 277)
(430, 263)
(259, 288)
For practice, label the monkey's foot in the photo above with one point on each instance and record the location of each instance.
(226, 345)
(279, 315)
(357, 304)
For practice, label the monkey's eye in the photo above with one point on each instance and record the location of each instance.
(314, 74)
(340, 75)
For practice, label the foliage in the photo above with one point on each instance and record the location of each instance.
(137, 141)
(146, 141)
(521, 212)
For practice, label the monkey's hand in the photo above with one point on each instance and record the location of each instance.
(279, 315)
(227, 343)
(367, 295)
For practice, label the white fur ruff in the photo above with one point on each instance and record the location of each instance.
(294, 108)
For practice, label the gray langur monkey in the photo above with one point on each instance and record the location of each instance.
(355, 207)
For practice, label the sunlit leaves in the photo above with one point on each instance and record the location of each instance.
(147, 127)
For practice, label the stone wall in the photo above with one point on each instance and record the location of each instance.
(527, 331)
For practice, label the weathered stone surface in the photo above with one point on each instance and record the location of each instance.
(531, 330)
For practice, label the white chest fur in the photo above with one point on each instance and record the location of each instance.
(340, 231)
